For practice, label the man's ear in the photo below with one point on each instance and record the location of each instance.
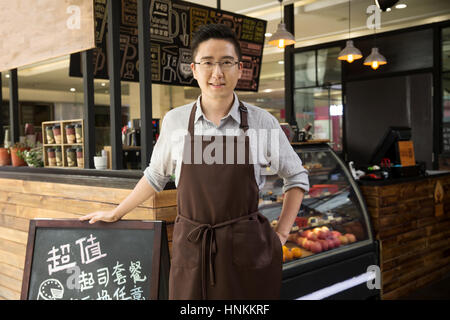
(194, 72)
(241, 67)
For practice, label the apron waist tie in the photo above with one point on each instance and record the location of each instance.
(201, 230)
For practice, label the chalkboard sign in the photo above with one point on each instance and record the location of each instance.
(172, 24)
(75, 260)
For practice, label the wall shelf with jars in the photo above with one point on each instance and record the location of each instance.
(63, 145)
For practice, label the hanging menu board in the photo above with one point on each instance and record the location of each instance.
(74, 260)
(172, 24)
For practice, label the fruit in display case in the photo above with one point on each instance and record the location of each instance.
(351, 237)
(297, 252)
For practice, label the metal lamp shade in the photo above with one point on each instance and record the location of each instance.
(375, 59)
(350, 53)
(281, 38)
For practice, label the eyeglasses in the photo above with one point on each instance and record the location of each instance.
(224, 65)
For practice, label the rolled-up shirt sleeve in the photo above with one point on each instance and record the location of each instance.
(289, 166)
(161, 167)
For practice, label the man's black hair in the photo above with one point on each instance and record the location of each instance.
(215, 31)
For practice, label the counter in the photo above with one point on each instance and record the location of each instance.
(29, 193)
(411, 221)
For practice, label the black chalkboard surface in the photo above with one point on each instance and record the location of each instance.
(74, 260)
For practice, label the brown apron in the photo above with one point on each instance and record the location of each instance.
(222, 248)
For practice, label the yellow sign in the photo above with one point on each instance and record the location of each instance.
(33, 31)
(406, 153)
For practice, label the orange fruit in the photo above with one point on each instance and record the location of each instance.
(297, 252)
(285, 249)
(289, 255)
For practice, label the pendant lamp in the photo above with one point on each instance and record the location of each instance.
(281, 38)
(375, 59)
(350, 53)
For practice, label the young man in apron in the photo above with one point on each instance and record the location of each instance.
(222, 248)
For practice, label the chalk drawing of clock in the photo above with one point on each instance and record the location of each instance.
(50, 289)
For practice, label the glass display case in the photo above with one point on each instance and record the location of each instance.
(332, 224)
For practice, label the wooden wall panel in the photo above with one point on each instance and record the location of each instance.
(33, 31)
(21, 201)
(414, 242)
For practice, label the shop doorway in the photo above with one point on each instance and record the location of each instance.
(374, 105)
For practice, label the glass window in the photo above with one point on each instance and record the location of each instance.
(328, 66)
(322, 109)
(305, 69)
(444, 159)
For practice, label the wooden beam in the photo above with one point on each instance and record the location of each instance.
(289, 67)
(88, 109)
(145, 82)
(13, 107)
(114, 63)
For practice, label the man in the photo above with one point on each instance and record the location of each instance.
(223, 248)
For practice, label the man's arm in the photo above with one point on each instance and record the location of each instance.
(141, 192)
(291, 205)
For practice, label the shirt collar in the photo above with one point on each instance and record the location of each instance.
(234, 111)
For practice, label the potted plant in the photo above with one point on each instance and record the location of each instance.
(100, 162)
(17, 159)
(5, 157)
(32, 157)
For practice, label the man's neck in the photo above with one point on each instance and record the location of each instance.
(216, 109)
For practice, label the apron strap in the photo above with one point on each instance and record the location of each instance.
(242, 110)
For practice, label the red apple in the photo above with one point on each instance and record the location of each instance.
(306, 233)
(312, 237)
(330, 243)
(336, 233)
(316, 247)
(337, 242)
(324, 244)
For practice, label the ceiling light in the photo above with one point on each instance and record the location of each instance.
(401, 6)
(7, 75)
(385, 4)
(388, 10)
(375, 59)
(281, 38)
(268, 34)
(281, 62)
(72, 89)
(103, 84)
(350, 53)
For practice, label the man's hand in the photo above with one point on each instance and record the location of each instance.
(283, 238)
(107, 216)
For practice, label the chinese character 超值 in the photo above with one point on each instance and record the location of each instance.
(91, 252)
(59, 262)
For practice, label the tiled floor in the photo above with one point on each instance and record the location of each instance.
(439, 290)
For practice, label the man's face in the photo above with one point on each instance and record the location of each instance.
(216, 82)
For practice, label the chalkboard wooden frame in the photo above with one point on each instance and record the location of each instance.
(158, 226)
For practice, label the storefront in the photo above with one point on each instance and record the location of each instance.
(345, 231)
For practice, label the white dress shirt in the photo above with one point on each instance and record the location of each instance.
(264, 132)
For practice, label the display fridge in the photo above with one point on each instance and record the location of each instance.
(330, 252)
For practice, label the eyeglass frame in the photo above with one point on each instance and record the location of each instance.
(220, 63)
